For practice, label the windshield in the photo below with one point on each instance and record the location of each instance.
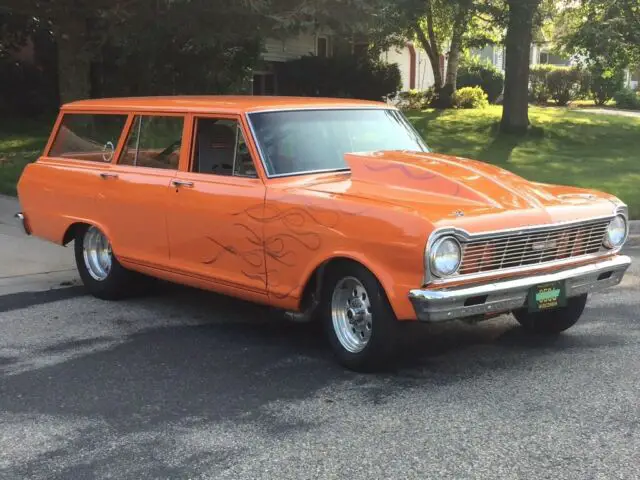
(300, 141)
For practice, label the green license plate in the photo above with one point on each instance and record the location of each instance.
(547, 296)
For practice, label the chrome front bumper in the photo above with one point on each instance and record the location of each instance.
(507, 295)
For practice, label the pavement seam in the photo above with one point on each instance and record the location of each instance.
(38, 273)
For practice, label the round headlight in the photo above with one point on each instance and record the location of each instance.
(616, 232)
(445, 256)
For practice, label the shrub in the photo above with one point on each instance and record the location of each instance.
(604, 83)
(561, 84)
(627, 98)
(416, 99)
(470, 97)
(564, 84)
(339, 76)
(538, 86)
(483, 75)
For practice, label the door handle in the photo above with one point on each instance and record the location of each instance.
(182, 183)
(108, 175)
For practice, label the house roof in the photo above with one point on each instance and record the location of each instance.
(214, 103)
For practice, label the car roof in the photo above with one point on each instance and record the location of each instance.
(216, 103)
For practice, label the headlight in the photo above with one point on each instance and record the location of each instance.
(616, 232)
(445, 256)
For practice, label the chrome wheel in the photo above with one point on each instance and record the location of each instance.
(96, 251)
(351, 314)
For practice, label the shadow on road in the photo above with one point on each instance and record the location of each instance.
(238, 363)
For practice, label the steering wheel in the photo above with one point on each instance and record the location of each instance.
(170, 149)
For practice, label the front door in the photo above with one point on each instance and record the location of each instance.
(136, 190)
(214, 217)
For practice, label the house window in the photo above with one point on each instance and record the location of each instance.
(544, 57)
(322, 47)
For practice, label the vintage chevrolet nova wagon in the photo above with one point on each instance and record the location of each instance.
(327, 209)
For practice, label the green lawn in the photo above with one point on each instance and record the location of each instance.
(565, 147)
(21, 141)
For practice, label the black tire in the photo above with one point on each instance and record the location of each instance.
(117, 285)
(553, 321)
(380, 349)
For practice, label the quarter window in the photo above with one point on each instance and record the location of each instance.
(220, 149)
(91, 137)
(154, 142)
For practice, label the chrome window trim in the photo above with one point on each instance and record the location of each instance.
(464, 236)
(262, 155)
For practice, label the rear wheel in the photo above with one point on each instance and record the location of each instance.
(101, 273)
(553, 321)
(358, 319)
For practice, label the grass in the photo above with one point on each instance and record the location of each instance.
(564, 147)
(21, 142)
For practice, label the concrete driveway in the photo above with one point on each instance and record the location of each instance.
(188, 384)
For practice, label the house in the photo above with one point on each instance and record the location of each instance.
(413, 62)
(540, 53)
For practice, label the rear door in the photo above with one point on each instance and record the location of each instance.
(215, 215)
(137, 190)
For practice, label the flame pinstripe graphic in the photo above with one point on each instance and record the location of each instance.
(409, 173)
(279, 247)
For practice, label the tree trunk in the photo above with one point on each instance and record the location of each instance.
(515, 111)
(74, 60)
(433, 53)
(445, 99)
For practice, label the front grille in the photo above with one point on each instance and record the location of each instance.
(532, 247)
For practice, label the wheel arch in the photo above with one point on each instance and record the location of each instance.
(314, 280)
(76, 224)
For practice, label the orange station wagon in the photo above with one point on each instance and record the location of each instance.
(333, 210)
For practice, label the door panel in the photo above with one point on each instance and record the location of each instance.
(133, 202)
(137, 189)
(215, 229)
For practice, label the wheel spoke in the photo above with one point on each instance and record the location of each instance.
(351, 314)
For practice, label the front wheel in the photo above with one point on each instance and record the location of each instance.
(358, 319)
(553, 321)
(100, 271)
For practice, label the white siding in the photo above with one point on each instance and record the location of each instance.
(424, 71)
(402, 56)
(289, 49)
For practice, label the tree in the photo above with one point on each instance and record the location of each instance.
(520, 27)
(605, 33)
(443, 28)
(83, 28)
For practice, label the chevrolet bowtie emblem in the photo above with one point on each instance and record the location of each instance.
(538, 246)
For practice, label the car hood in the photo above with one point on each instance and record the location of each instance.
(462, 192)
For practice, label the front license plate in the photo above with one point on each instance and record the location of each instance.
(547, 296)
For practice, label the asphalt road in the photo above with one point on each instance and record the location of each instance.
(185, 384)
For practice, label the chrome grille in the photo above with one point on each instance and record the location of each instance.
(533, 247)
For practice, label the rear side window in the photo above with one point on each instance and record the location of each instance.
(154, 141)
(92, 137)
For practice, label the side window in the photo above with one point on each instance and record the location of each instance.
(154, 141)
(220, 149)
(92, 137)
